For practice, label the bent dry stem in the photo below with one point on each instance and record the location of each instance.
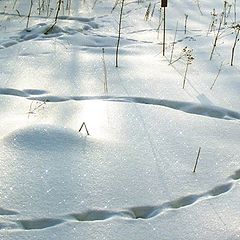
(237, 29)
(217, 36)
(29, 13)
(119, 31)
(173, 44)
(56, 17)
(185, 75)
(85, 126)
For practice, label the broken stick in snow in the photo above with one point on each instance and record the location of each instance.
(196, 163)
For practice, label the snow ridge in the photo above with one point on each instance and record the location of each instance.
(7, 212)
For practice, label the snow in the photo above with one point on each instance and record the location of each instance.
(132, 177)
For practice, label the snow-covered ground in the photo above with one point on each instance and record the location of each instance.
(132, 177)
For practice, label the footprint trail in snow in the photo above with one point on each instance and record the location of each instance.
(133, 213)
(188, 107)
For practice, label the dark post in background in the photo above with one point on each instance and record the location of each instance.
(164, 5)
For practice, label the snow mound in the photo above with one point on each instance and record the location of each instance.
(44, 138)
(40, 30)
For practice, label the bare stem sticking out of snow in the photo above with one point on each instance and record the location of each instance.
(29, 13)
(217, 36)
(105, 83)
(147, 14)
(236, 40)
(68, 6)
(212, 26)
(235, 11)
(189, 58)
(94, 4)
(56, 17)
(173, 44)
(225, 12)
(115, 5)
(14, 4)
(185, 24)
(199, 7)
(160, 21)
(119, 31)
(196, 162)
(219, 71)
(153, 10)
(48, 8)
(34, 108)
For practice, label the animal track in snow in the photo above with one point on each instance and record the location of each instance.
(184, 201)
(7, 212)
(13, 92)
(220, 189)
(101, 214)
(236, 175)
(34, 91)
(39, 223)
(21, 93)
(133, 213)
(188, 107)
(39, 31)
(147, 212)
(27, 225)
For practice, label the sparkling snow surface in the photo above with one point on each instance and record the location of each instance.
(132, 177)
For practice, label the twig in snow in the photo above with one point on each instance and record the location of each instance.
(185, 24)
(229, 10)
(237, 29)
(85, 126)
(18, 13)
(212, 25)
(219, 71)
(160, 19)
(147, 14)
(29, 13)
(235, 11)
(196, 163)
(38, 106)
(68, 5)
(56, 17)
(224, 12)
(217, 36)
(173, 44)
(94, 4)
(115, 5)
(48, 7)
(153, 10)
(199, 7)
(119, 31)
(189, 61)
(14, 4)
(105, 83)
